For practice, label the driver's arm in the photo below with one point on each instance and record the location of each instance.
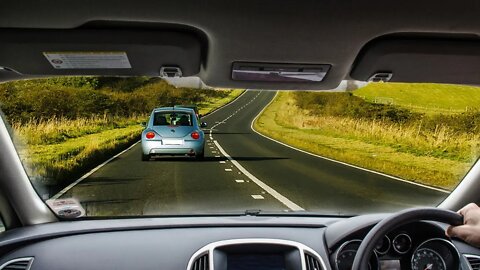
(470, 230)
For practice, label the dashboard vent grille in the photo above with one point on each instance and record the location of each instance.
(474, 261)
(17, 264)
(201, 263)
(312, 263)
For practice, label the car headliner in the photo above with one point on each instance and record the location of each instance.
(268, 31)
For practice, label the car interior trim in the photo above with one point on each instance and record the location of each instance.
(396, 55)
(340, 249)
(8, 263)
(212, 246)
(469, 256)
(16, 185)
(466, 191)
(457, 253)
(383, 252)
(409, 245)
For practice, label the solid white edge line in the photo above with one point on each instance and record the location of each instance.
(291, 205)
(63, 191)
(337, 161)
(67, 188)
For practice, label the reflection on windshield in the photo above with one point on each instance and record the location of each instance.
(375, 147)
(172, 118)
(2, 227)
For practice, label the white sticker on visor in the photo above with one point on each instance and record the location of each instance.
(88, 60)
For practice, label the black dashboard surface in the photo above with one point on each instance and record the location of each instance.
(169, 243)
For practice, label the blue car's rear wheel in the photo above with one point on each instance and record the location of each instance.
(200, 155)
(145, 157)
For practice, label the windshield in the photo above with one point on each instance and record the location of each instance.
(111, 147)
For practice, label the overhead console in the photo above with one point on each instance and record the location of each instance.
(100, 52)
(436, 60)
(292, 73)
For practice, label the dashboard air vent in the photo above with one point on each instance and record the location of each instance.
(474, 261)
(201, 263)
(17, 264)
(312, 263)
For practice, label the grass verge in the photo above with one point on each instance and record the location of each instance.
(55, 152)
(371, 144)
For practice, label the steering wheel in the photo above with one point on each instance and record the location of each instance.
(406, 216)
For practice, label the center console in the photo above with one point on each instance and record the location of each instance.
(256, 254)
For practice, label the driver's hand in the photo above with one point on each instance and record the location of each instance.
(470, 230)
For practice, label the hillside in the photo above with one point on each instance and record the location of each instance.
(423, 97)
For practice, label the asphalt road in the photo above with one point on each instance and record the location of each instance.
(258, 174)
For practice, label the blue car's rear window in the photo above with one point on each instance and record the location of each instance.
(171, 118)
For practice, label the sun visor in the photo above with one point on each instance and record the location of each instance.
(100, 52)
(419, 60)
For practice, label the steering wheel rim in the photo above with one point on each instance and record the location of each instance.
(396, 220)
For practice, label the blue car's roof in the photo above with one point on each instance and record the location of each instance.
(173, 109)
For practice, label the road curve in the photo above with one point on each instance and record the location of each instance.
(242, 170)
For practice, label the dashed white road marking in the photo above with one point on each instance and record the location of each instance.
(284, 200)
(291, 205)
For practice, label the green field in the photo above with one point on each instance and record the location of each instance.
(424, 146)
(423, 97)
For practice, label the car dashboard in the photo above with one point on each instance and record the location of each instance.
(413, 246)
(230, 243)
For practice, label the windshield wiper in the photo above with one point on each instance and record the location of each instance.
(252, 212)
(258, 212)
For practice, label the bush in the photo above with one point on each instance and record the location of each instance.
(348, 105)
(467, 122)
(77, 82)
(78, 97)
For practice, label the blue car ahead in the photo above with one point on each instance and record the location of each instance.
(173, 131)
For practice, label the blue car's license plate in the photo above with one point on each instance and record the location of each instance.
(172, 142)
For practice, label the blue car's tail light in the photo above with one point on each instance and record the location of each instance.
(150, 135)
(195, 135)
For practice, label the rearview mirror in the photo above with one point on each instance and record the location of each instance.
(203, 125)
(144, 124)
